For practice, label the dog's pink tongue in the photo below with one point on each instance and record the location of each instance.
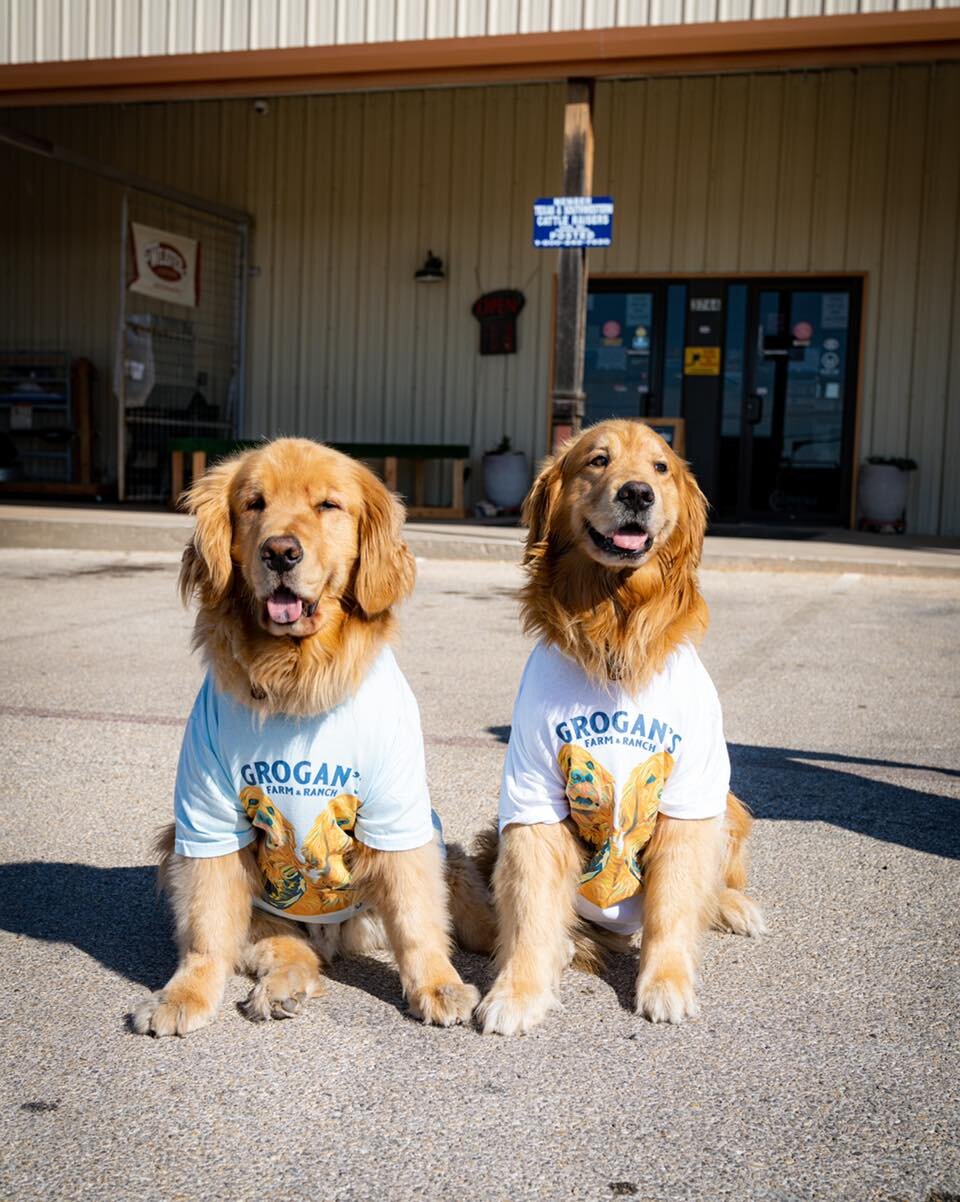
(629, 541)
(284, 607)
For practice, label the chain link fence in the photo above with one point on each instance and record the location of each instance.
(179, 367)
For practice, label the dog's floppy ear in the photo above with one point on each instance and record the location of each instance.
(207, 567)
(386, 569)
(540, 504)
(686, 546)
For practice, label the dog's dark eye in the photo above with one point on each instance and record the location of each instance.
(660, 467)
(599, 461)
(257, 503)
(328, 505)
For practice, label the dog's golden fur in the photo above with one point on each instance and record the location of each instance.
(353, 570)
(617, 598)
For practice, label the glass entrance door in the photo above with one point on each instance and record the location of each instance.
(788, 415)
(781, 414)
(622, 364)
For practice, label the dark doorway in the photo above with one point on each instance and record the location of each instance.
(789, 400)
(779, 447)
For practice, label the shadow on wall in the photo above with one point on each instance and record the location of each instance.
(115, 915)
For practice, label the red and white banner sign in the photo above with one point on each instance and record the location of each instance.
(165, 266)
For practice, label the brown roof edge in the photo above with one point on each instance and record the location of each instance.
(788, 41)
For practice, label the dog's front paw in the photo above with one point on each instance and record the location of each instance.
(739, 914)
(444, 1005)
(173, 1011)
(667, 998)
(508, 1010)
(281, 993)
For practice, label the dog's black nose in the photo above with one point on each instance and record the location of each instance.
(281, 552)
(636, 496)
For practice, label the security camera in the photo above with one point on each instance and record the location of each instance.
(261, 107)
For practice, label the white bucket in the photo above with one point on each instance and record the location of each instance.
(882, 492)
(506, 478)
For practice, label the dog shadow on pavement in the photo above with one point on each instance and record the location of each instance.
(819, 786)
(112, 914)
(824, 786)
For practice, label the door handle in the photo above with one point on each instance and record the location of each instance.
(753, 408)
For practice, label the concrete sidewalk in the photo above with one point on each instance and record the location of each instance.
(119, 529)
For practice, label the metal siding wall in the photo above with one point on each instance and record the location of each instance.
(349, 192)
(814, 172)
(817, 171)
(45, 30)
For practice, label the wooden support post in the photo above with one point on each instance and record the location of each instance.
(456, 499)
(390, 472)
(176, 477)
(571, 324)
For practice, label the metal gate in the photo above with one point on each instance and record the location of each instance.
(179, 371)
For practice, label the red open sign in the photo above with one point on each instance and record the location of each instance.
(497, 313)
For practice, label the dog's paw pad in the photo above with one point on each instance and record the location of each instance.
(444, 1005)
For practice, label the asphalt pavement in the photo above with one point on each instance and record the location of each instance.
(824, 1064)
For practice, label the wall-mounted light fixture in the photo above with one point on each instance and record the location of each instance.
(432, 270)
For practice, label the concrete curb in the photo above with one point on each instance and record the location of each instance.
(113, 530)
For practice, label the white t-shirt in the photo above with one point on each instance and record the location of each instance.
(307, 787)
(612, 762)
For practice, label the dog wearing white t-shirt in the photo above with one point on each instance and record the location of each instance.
(616, 820)
(303, 821)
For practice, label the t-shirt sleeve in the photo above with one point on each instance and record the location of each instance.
(395, 812)
(210, 820)
(698, 785)
(532, 788)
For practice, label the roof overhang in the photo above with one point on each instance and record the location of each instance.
(843, 40)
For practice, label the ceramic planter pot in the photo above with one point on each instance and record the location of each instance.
(882, 492)
(506, 478)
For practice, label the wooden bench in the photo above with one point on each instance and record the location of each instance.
(201, 450)
(420, 454)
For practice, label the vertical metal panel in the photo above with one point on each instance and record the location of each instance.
(898, 280)
(934, 440)
(796, 172)
(831, 180)
(533, 16)
(950, 480)
(153, 26)
(727, 172)
(658, 144)
(693, 176)
(411, 20)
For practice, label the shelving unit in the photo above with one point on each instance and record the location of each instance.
(36, 414)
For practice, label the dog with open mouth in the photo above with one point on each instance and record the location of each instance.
(303, 820)
(615, 811)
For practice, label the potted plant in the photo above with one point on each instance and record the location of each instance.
(506, 476)
(882, 492)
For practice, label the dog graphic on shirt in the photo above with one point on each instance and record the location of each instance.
(316, 881)
(613, 873)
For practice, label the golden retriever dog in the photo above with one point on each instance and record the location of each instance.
(615, 812)
(297, 563)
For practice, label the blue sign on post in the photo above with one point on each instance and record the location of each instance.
(562, 222)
